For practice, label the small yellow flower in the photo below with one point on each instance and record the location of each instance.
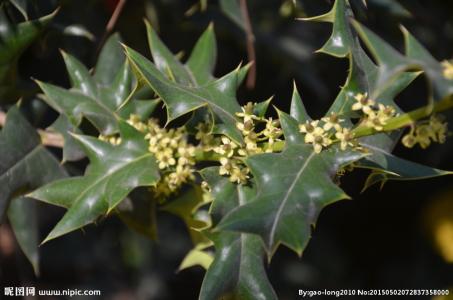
(423, 135)
(439, 128)
(409, 140)
(226, 166)
(375, 120)
(135, 121)
(239, 175)
(346, 138)
(165, 158)
(332, 121)
(227, 148)
(247, 113)
(319, 142)
(447, 69)
(246, 128)
(363, 103)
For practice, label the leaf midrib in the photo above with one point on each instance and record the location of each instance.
(109, 174)
(175, 86)
(285, 199)
(23, 158)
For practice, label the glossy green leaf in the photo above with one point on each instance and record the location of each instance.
(341, 39)
(114, 171)
(203, 58)
(442, 87)
(109, 61)
(297, 110)
(23, 218)
(15, 39)
(196, 257)
(75, 105)
(101, 98)
(293, 186)
(71, 149)
(25, 163)
(237, 271)
(232, 9)
(218, 96)
(260, 108)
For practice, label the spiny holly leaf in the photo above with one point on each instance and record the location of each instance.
(114, 171)
(400, 169)
(293, 186)
(432, 68)
(15, 39)
(25, 165)
(200, 65)
(185, 206)
(109, 61)
(232, 9)
(75, 105)
(362, 77)
(392, 63)
(23, 218)
(219, 95)
(297, 110)
(237, 271)
(341, 39)
(197, 257)
(100, 98)
(71, 149)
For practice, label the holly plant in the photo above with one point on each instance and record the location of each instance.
(244, 183)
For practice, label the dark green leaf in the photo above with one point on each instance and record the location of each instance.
(232, 9)
(293, 186)
(237, 271)
(25, 163)
(341, 39)
(109, 61)
(114, 171)
(14, 40)
(23, 218)
(218, 96)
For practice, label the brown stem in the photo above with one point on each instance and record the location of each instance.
(48, 138)
(2, 119)
(112, 21)
(251, 56)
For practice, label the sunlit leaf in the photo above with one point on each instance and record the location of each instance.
(114, 171)
(237, 271)
(293, 186)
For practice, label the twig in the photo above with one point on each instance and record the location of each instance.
(114, 18)
(48, 138)
(51, 139)
(251, 77)
(2, 118)
(112, 21)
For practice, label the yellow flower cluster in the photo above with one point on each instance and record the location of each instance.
(447, 69)
(231, 153)
(321, 133)
(434, 130)
(375, 117)
(174, 155)
(112, 139)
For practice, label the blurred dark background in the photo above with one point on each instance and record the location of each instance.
(399, 237)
